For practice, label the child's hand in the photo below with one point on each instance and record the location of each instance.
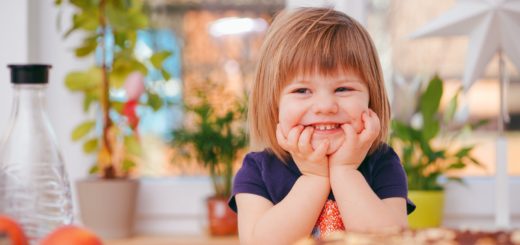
(356, 145)
(298, 144)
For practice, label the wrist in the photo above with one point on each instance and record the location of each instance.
(343, 171)
(342, 167)
(315, 178)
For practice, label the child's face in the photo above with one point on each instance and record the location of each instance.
(324, 103)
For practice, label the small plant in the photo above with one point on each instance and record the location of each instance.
(425, 159)
(110, 29)
(214, 138)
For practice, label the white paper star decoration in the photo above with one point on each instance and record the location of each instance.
(493, 26)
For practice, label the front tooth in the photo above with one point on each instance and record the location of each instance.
(325, 127)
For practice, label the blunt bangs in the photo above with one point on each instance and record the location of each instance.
(325, 47)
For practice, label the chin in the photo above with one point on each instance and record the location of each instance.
(334, 145)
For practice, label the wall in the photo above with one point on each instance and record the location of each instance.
(30, 35)
(13, 49)
(166, 206)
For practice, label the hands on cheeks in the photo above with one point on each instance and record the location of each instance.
(356, 145)
(310, 161)
(316, 161)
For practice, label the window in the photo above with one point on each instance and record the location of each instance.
(409, 60)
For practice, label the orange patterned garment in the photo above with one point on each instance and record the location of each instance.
(329, 221)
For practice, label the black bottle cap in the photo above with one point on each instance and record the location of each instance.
(30, 73)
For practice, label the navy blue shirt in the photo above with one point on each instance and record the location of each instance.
(263, 174)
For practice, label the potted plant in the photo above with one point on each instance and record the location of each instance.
(110, 29)
(428, 152)
(214, 138)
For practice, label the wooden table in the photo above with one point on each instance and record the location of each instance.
(170, 240)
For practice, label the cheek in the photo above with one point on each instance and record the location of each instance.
(355, 115)
(287, 118)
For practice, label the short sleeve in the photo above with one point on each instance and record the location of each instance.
(389, 178)
(249, 179)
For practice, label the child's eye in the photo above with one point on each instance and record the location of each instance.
(301, 91)
(344, 89)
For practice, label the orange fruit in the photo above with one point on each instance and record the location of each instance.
(71, 234)
(13, 230)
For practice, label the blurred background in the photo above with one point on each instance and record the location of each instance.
(214, 46)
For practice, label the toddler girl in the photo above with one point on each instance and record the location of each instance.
(319, 114)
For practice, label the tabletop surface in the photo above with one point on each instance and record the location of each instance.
(168, 240)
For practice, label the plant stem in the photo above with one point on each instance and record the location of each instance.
(213, 175)
(108, 170)
(227, 177)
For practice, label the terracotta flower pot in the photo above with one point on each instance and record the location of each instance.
(222, 220)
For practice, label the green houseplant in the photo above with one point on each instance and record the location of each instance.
(428, 152)
(110, 29)
(215, 138)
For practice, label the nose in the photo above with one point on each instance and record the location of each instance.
(325, 104)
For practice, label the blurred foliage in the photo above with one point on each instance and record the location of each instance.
(424, 158)
(109, 32)
(214, 137)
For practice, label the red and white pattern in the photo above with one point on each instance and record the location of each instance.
(329, 221)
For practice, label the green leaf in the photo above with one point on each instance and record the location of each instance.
(94, 169)
(86, 20)
(431, 98)
(91, 145)
(401, 131)
(457, 179)
(464, 152)
(88, 47)
(451, 108)
(57, 2)
(158, 58)
(133, 146)
(121, 19)
(166, 75)
(90, 97)
(479, 124)
(431, 128)
(123, 66)
(128, 165)
(83, 129)
(154, 101)
(82, 4)
(476, 162)
(79, 81)
(117, 106)
(457, 165)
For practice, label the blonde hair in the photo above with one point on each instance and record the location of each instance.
(304, 41)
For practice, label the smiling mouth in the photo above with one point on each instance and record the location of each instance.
(325, 127)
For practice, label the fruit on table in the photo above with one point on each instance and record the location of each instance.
(12, 230)
(71, 234)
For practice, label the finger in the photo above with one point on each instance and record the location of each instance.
(321, 151)
(294, 136)
(363, 122)
(372, 126)
(350, 132)
(304, 143)
(282, 141)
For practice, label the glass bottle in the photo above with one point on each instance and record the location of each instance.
(34, 188)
